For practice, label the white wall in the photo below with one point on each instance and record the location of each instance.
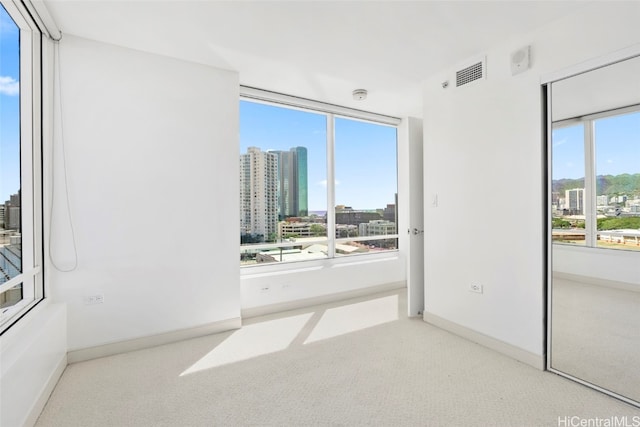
(284, 289)
(152, 156)
(483, 158)
(613, 265)
(33, 354)
(603, 89)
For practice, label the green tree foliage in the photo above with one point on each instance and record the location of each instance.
(619, 223)
(560, 223)
(317, 230)
(623, 184)
(619, 184)
(561, 185)
(251, 238)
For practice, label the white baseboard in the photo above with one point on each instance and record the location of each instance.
(596, 281)
(42, 399)
(524, 356)
(323, 299)
(152, 341)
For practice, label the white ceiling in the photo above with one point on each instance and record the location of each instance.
(321, 50)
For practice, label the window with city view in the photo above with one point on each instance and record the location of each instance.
(596, 181)
(10, 217)
(290, 208)
(366, 186)
(21, 285)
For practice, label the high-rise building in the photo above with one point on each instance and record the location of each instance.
(574, 200)
(389, 213)
(259, 193)
(12, 212)
(292, 180)
(273, 186)
(350, 216)
(301, 175)
(379, 227)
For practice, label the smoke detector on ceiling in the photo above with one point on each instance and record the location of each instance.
(360, 94)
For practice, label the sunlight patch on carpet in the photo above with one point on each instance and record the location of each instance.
(354, 317)
(252, 341)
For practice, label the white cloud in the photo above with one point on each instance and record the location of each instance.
(559, 142)
(610, 161)
(9, 86)
(323, 183)
(7, 26)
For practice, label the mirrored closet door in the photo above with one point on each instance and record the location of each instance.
(594, 210)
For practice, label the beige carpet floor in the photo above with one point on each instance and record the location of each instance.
(355, 363)
(596, 335)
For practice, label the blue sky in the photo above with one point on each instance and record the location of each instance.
(9, 107)
(617, 147)
(365, 166)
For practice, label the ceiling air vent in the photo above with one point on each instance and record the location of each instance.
(470, 74)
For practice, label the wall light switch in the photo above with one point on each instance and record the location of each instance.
(94, 299)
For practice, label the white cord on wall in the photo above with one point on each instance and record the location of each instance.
(57, 94)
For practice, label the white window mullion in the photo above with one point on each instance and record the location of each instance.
(26, 277)
(367, 238)
(590, 218)
(26, 149)
(331, 184)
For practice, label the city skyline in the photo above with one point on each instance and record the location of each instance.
(273, 201)
(365, 153)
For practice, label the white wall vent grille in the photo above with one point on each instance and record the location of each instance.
(471, 70)
(470, 74)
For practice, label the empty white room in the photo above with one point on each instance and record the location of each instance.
(296, 213)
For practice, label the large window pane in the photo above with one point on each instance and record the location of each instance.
(10, 199)
(366, 186)
(617, 159)
(283, 184)
(568, 185)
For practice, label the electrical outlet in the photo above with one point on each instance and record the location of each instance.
(474, 287)
(94, 299)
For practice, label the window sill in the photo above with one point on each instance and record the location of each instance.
(594, 250)
(302, 266)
